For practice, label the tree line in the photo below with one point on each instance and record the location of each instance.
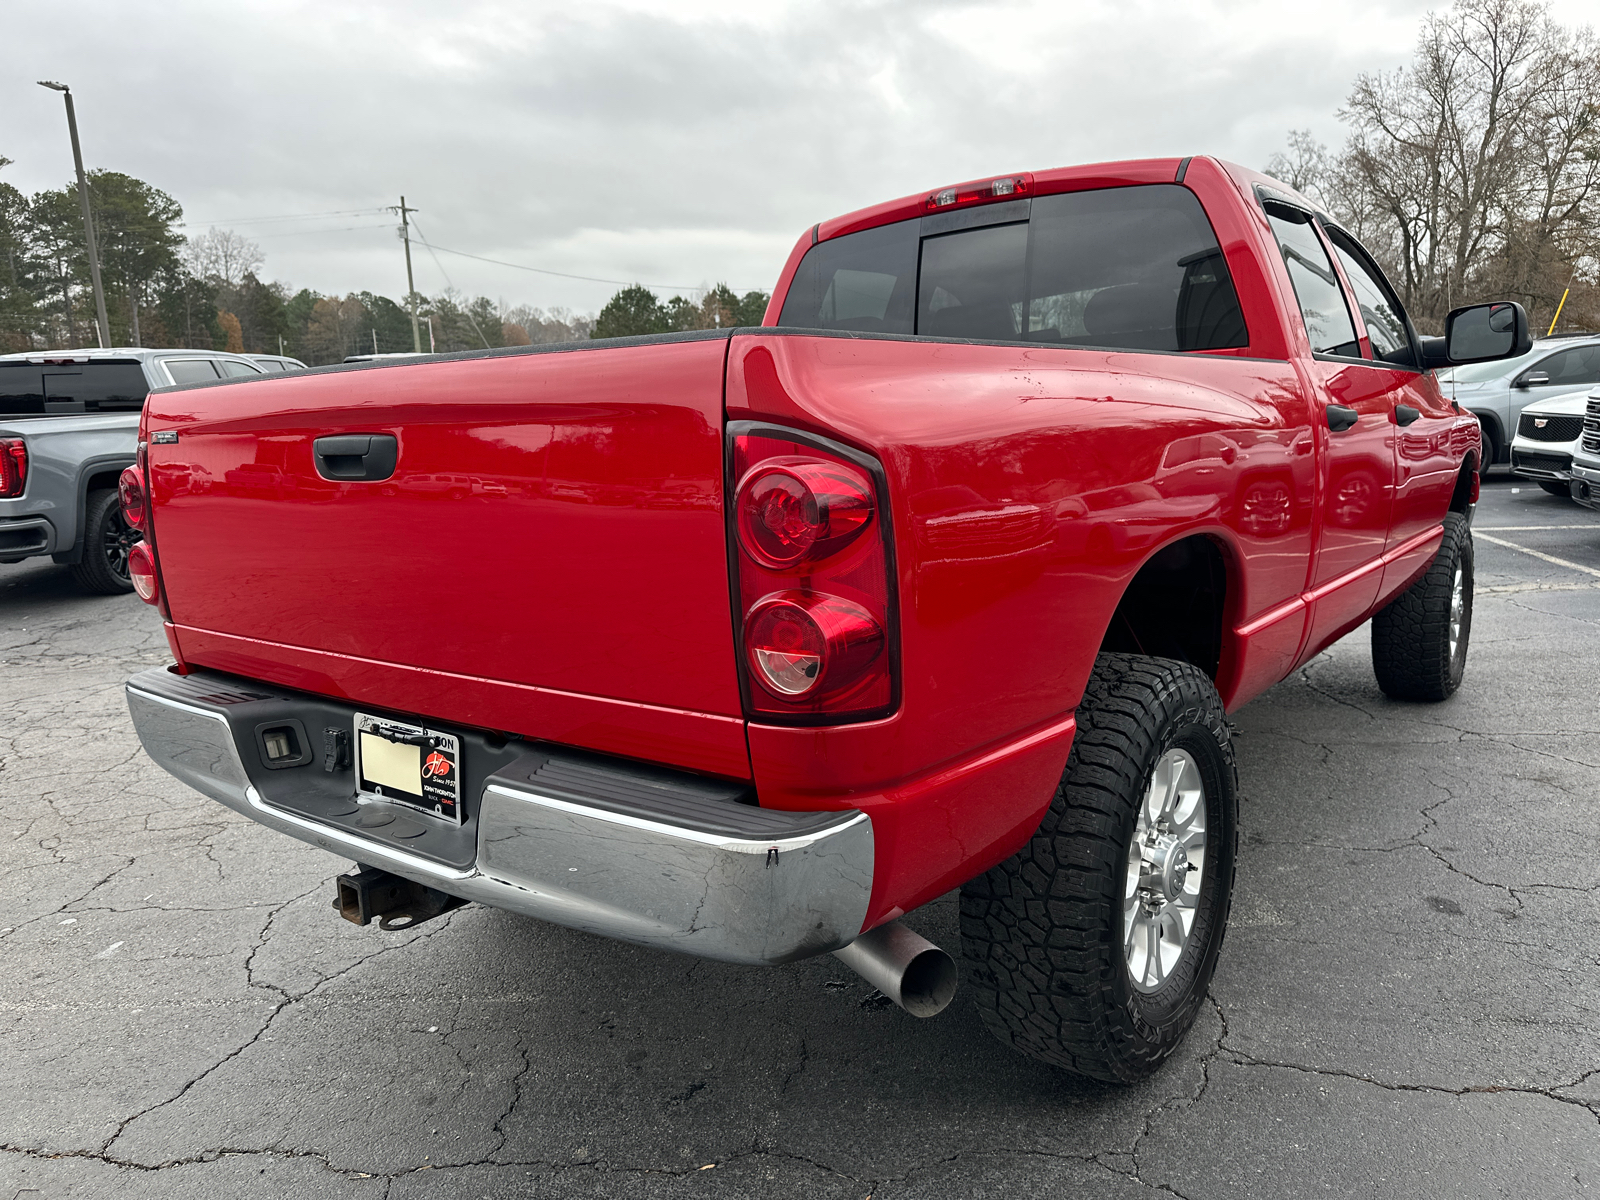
(1473, 173)
(206, 292)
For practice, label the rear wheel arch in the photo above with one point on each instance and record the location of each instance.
(98, 474)
(1177, 604)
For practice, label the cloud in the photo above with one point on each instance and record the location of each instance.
(680, 143)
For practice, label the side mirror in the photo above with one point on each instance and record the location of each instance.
(1530, 379)
(1486, 332)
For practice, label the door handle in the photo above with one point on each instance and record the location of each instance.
(1341, 418)
(1404, 414)
(349, 456)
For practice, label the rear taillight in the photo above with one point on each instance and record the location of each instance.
(812, 578)
(13, 466)
(130, 489)
(142, 570)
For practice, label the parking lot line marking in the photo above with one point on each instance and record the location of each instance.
(1509, 589)
(1549, 558)
(1522, 528)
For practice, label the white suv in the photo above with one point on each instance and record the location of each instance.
(1497, 392)
(1548, 434)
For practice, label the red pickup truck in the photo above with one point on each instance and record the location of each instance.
(744, 643)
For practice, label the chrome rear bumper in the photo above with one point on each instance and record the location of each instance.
(569, 841)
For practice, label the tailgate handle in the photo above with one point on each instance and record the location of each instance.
(356, 456)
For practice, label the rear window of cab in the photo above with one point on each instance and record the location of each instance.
(31, 389)
(1135, 268)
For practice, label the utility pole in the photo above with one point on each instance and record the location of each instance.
(88, 221)
(411, 288)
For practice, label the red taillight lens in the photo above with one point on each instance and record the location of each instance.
(142, 569)
(799, 510)
(13, 466)
(801, 643)
(815, 588)
(130, 489)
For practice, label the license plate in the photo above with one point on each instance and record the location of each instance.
(408, 764)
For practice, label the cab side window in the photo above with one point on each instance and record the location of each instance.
(1380, 310)
(237, 370)
(1316, 284)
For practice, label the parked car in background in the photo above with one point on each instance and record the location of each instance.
(1585, 468)
(1497, 392)
(69, 424)
(1547, 435)
(276, 362)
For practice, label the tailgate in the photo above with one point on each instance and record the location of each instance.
(547, 558)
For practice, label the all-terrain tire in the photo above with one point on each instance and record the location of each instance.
(1419, 639)
(1043, 934)
(107, 539)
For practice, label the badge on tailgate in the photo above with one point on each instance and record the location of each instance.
(408, 764)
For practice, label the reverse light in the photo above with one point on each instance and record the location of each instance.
(811, 554)
(142, 570)
(986, 189)
(801, 643)
(130, 490)
(13, 466)
(794, 510)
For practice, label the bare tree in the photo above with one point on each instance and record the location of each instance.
(223, 256)
(1306, 167)
(1479, 160)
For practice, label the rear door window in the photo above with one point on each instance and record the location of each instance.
(191, 370)
(1118, 268)
(1316, 284)
(237, 370)
(1136, 268)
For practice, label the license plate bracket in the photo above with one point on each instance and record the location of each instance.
(409, 764)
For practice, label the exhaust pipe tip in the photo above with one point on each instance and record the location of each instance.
(904, 966)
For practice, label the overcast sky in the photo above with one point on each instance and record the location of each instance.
(677, 144)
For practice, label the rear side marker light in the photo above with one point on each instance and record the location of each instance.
(797, 510)
(142, 570)
(130, 490)
(802, 643)
(13, 466)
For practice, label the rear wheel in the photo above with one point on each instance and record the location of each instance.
(107, 538)
(1093, 946)
(1556, 488)
(1419, 640)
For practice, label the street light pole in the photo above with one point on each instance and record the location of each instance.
(104, 329)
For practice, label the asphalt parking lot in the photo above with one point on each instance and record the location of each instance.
(1406, 1004)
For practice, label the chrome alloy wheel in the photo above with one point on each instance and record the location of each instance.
(1166, 867)
(1457, 606)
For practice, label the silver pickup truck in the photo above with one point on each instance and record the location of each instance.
(69, 424)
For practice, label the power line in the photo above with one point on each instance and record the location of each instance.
(466, 311)
(261, 237)
(337, 212)
(666, 287)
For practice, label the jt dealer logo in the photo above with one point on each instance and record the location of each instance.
(437, 766)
